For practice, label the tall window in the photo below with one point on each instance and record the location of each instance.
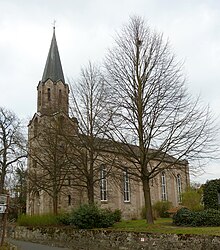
(126, 186)
(69, 181)
(163, 187)
(179, 188)
(48, 94)
(69, 200)
(35, 127)
(59, 97)
(39, 98)
(60, 123)
(103, 183)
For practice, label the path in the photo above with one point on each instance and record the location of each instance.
(24, 245)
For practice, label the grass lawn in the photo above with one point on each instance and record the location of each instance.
(164, 226)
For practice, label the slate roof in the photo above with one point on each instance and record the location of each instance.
(53, 68)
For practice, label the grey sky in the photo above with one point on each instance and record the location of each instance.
(85, 29)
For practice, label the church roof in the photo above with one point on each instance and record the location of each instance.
(53, 68)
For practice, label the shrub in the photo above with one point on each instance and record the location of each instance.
(116, 215)
(161, 208)
(185, 217)
(37, 220)
(211, 191)
(209, 217)
(64, 218)
(91, 216)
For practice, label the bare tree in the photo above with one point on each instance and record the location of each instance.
(18, 192)
(90, 97)
(154, 110)
(48, 152)
(12, 144)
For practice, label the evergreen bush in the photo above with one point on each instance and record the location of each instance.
(208, 217)
(64, 218)
(91, 216)
(211, 190)
(183, 217)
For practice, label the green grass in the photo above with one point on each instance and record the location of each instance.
(164, 226)
(160, 225)
(37, 220)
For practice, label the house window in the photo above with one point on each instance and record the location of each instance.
(179, 188)
(126, 186)
(163, 187)
(103, 183)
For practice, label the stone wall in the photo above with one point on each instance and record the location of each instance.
(108, 239)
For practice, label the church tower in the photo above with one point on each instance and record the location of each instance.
(52, 91)
(46, 132)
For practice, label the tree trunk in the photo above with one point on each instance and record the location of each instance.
(147, 200)
(90, 192)
(55, 204)
(2, 181)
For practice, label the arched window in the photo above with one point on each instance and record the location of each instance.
(103, 183)
(163, 187)
(126, 185)
(179, 188)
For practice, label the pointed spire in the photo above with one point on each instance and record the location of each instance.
(53, 68)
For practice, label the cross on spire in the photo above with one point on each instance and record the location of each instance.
(54, 24)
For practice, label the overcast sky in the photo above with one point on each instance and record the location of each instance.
(85, 29)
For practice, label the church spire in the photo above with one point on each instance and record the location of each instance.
(53, 68)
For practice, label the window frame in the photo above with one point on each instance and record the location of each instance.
(163, 187)
(179, 188)
(103, 183)
(126, 186)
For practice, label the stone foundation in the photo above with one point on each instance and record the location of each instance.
(111, 239)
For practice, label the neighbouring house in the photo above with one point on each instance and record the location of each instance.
(48, 163)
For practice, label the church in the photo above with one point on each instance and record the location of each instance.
(50, 183)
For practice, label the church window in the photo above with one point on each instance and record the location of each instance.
(163, 187)
(48, 94)
(69, 181)
(35, 127)
(60, 97)
(103, 183)
(179, 188)
(39, 98)
(69, 200)
(126, 186)
(34, 163)
(60, 123)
